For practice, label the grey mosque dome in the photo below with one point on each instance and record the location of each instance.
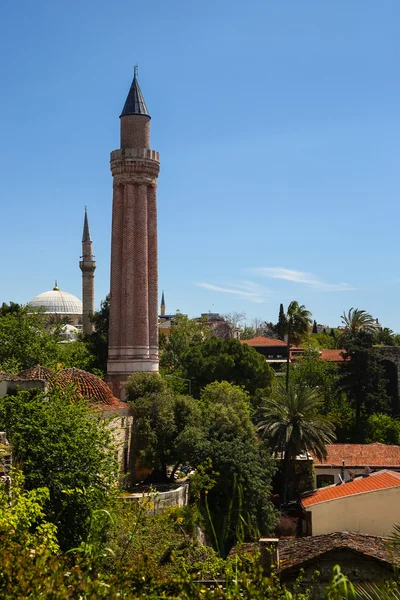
(58, 303)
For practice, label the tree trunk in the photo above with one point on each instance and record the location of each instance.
(287, 362)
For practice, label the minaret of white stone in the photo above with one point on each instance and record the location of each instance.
(87, 265)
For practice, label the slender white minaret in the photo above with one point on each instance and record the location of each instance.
(87, 266)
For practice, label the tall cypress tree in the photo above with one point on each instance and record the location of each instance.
(281, 325)
(314, 327)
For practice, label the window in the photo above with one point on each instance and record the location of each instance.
(324, 480)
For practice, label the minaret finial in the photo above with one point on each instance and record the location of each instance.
(55, 288)
(135, 71)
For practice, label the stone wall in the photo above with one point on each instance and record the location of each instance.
(161, 500)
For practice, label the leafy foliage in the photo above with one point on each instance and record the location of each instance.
(363, 378)
(26, 340)
(293, 425)
(66, 447)
(184, 335)
(97, 342)
(237, 505)
(226, 360)
(356, 319)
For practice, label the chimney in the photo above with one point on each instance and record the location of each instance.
(269, 554)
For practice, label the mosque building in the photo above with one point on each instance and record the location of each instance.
(58, 304)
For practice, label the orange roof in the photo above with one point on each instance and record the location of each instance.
(361, 455)
(332, 355)
(263, 341)
(377, 481)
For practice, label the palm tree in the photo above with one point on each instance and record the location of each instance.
(298, 322)
(293, 425)
(357, 319)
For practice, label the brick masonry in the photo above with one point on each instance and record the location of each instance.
(133, 335)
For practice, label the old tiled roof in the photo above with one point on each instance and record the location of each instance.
(380, 480)
(261, 341)
(332, 355)
(37, 372)
(89, 386)
(360, 455)
(295, 552)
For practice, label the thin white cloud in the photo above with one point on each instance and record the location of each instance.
(302, 277)
(246, 289)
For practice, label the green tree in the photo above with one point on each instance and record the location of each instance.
(167, 426)
(314, 328)
(323, 341)
(66, 447)
(247, 333)
(313, 372)
(236, 505)
(298, 320)
(383, 428)
(22, 517)
(74, 354)
(363, 378)
(26, 340)
(226, 360)
(356, 319)
(185, 334)
(97, 342)
(385, 337)
(292, 424)
(281, 325)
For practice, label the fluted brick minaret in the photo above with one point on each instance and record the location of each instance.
(87, 266)
(133, 333)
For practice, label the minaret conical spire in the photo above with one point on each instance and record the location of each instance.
(86, 229)
(162, 304)
(134, 103)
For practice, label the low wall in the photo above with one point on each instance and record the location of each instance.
(161, 500)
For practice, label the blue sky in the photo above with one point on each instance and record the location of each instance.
(278, 125)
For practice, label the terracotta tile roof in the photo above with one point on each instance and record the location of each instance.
(295, 552)
(377, 481)
(37, 372)
(89, 386)
(261, 341)
(332, 355)
(361, 455)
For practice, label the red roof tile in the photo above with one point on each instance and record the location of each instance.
(377, 481)
(262, 341)
(361, 455)
(89, 386)
(332, 355)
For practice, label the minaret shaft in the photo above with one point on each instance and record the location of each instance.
(133, 333)
(87, 265)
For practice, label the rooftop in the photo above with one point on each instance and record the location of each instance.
(261, 341)
(295, 552)
(361, 455)
(332, 355)
(372, 483)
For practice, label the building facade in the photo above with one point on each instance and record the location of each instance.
(133, 333)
